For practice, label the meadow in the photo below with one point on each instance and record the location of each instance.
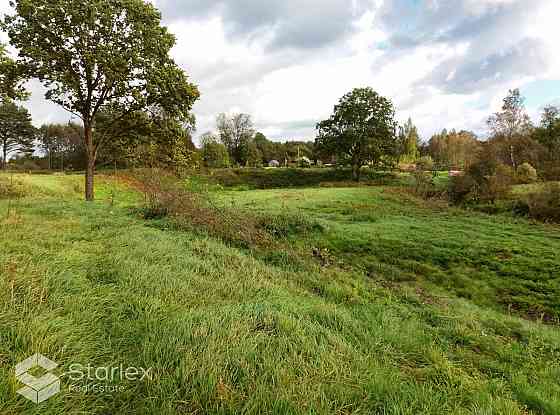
(370, 301)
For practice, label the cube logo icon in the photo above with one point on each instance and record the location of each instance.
(37, 389)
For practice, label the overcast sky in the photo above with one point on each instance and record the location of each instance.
(445, 63)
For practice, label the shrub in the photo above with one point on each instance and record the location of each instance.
(425, 164)
(11, 189)
(423, 184)
(485, 181)
(215, 155)
(282, 226)
(545, 205)
(550, 171)
(527, 174)
(461, 189)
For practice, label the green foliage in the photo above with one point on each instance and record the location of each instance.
(545, 204)
(425, 163)
(292, 177)
(117, 61)
(548, 133)
(11, 78)
(454, 150)
(215, 155)
(254, 156)
(16, 131)
(527, 174)
(485, 181)
(63, 146)
(289, 225)
(360, 131)
(236, 133)
(513, 119)
(409, 142)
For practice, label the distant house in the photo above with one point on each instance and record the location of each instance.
(273, 163)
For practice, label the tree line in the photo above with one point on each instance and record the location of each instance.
(108, 63)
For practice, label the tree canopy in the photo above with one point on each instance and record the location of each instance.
(236, 133)
(11, 77)
(361, 130)
(409, 141)
(16, 131)
(100, 55)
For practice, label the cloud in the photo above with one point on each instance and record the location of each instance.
(445, 63)
(466, 75)
(295, 24)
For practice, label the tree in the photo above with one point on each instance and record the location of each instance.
(214, 154)
(95, 55)
(236, 132)
(548, 133)
(143, 138)
(16, 131)
(54, 141)
(265, 146)
(511, 123)
(361, 130)
(11, 78)
(254, 155)
(409, 141)
(454, 150)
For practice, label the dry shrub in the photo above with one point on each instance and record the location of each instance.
(165, 197)
(423, 184)
(11, 189)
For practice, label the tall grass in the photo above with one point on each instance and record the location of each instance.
(227, 330)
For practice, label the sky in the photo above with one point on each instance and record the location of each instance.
(444, 63)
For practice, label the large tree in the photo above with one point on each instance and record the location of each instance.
(361, 130)
(99, 54)
(16, 131)
(236, 132)
(512, 124)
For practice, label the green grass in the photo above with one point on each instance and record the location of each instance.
(230, 331)
(494, 261)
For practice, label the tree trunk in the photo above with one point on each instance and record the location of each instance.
(90, 157)
(4, 155)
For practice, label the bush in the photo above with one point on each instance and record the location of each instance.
(485, 181)
(545, 205)
(527, 174)
(425, 164)
(461, 189)
(11, 189)
(423, 184)
(550, 171)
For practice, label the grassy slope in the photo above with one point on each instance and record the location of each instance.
(227, 332)
(491, 260)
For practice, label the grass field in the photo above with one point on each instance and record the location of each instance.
(390, 306)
